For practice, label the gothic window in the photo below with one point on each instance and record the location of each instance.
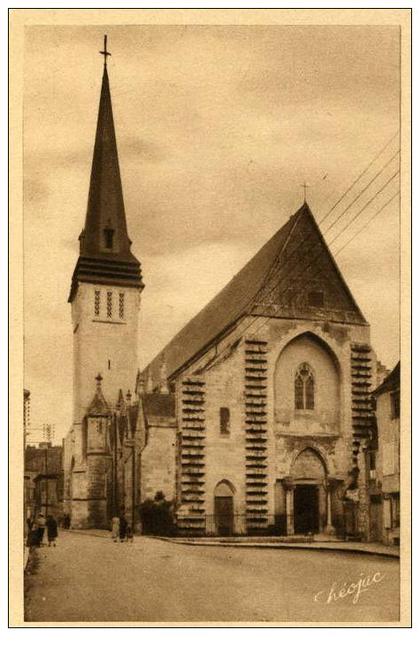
(109, 304)
(304, 388)
(224, 414)
(121, 306)
(316, 298)
(97, 305)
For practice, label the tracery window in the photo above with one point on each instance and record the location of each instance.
(304, 388)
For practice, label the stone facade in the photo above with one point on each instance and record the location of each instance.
(255, 418)
(271, 448)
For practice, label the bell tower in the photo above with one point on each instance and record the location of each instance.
(106, 283)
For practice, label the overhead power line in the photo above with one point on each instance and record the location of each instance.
(362, 192)
(263, 318)
(367, 223)
(313, 260)
(370, 164)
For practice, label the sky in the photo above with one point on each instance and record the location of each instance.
(217, 129)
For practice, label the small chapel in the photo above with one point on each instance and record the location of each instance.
(254, 419)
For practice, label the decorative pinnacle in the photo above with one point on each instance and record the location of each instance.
(99, 380)
(105, 53)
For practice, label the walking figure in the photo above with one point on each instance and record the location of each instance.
(52, 530)
(115, 528)
(123, 528)
(130, 536)
(40, 523)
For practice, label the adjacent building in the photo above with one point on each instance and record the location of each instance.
(385, 461)
(44, 480)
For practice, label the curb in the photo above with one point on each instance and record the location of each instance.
(311, 546)
(284, 545)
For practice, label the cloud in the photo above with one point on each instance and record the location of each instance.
(217, 128)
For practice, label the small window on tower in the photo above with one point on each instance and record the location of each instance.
(121, 306)
(316, 298)
(97, 303)
(109, 304)
(109, 237)
(224, 421)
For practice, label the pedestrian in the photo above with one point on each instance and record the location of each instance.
(32, 532)
(52, 530)
(123, 528)
(66, 521)
(40, 528)
(115, 528)
(129, 533)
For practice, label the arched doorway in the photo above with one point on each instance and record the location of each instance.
(308, 473)
(223, 508)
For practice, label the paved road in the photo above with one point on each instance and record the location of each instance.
(88, 578)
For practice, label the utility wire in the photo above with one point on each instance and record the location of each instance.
(359, 231)
(313, 260)
(364, 207)
(370, 164)
(361, 192)
(367, 223)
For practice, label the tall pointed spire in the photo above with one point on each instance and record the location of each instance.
(105, 254)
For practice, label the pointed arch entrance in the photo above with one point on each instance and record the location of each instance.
(224, 507)
(309, 475)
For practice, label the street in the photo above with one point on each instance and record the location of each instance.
(90, 578)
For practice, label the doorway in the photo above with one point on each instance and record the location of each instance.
(223, 508)
(306, 509)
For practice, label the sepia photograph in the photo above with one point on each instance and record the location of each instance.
(214, 211)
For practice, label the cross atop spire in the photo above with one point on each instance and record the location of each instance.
(105, 53)
(304, 186)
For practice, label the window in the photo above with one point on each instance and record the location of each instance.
(372, 464)
(121, 306)
(316, 298)
(109, 237)
(395, 405)
(304, 388)
(109, 304)
(97, 305)
(395, 510)
(224, 414)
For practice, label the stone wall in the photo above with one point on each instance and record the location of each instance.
(157, 469)
(265, 433)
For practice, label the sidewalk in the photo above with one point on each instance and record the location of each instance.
(370, 548)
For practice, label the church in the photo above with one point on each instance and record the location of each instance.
(254, 419)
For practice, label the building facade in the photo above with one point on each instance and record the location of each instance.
(255, 418)
(385, 462)
(44, 480)
(272, 383)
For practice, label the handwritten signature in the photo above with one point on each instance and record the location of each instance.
(346, 589)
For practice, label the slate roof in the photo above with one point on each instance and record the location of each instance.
(239, 296)
(390, 383)
(105, 210)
